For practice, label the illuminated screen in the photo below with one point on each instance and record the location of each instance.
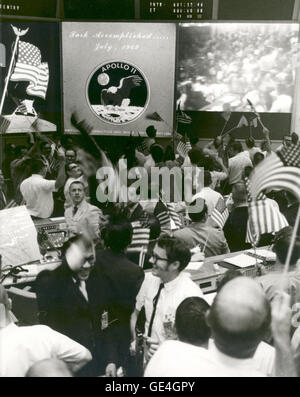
(221, 65)
(120, 76)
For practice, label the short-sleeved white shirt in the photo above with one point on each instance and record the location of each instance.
(21, 347)
(37, 193)
(170, 298)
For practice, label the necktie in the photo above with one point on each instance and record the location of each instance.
(155, 301)
(75, 209)
(82, 288)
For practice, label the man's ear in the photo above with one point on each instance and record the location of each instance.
(175, 265)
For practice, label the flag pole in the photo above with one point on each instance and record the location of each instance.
(226, 122)
(292, 243)
(18, 33)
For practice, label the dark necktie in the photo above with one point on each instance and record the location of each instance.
(75, 209)
(155, 301)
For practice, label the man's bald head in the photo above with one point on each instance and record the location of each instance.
(239, 317)
(49, 368)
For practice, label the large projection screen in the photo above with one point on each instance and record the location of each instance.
(120, 76)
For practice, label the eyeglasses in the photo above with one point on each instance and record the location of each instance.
(73, 168)
(156, 258)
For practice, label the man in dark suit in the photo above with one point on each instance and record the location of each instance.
(74, 299)
(124, 279)
(3, 196)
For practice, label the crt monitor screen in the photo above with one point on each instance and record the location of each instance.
(221, 65)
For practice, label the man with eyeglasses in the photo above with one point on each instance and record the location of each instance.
(162, 292)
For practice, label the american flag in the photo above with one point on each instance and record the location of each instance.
(183, 148)
(140, 236)
(30, 68)
(220, 213)
(272, 173)
(4, 124)
(183, 118)
(290, 155)
(263, 216)
(164, 212)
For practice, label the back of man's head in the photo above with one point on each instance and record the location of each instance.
(157, 153)
(37, 166)
(258, 158)
(151, 131)
(49, 368)
(282, 243)
(239, 317)
(196, 156)
(190, 321)
(250, 142)
(239, 193)
(237, 147)
(117, 234)
(201, 214)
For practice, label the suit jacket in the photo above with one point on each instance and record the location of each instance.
(63, 308)
(124, 279)
(86, 214)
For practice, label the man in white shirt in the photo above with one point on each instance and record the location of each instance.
(21, 347)
(237, 163)
(38, 191)
(210, 196)
(162, 292)
(239, 318)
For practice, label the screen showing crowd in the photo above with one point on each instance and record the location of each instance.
(221, 65)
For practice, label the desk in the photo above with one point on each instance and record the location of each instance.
(213, 270)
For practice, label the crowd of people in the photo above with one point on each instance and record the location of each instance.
(236, 63)
(121, 302)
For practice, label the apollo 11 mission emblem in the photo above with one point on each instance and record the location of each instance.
(117, 92)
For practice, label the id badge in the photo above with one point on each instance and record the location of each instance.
(104, 320)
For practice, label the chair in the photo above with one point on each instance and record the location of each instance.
(24, 305)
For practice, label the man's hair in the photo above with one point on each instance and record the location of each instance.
(190, 321)
(196, 156)
(151, 131)
(18, 150)
(250, 142)
(76, 183)
(117, 234)
(157, 153)
(239, 193)
(281, 245)
(258, 158)
(36, 166)
(237, 146)
(207, 178)
(198, 216)
(169, 153)
(175, 250)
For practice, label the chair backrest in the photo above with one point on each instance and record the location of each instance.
(24, 305)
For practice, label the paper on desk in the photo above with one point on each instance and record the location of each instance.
(242, 261)
(194, 266)
(270, 255)
(18, 237)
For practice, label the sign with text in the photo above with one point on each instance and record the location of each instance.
(18, 237)
(119, 77)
